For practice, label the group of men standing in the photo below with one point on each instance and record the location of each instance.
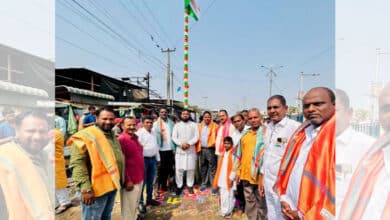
(281, 169)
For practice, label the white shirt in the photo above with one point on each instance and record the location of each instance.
(293, 187)
(222, 175)
(149, 141)
(220, 137)
(378, 197)
(236, 136)
(350, 148)
(275, 149)
(166, 144)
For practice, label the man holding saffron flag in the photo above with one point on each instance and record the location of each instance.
(306, 178)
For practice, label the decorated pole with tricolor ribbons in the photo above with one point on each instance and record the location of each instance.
(190, 9)
(186, 85)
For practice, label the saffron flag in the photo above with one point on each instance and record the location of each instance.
(193, 9)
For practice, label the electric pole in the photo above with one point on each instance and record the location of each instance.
(148, 84)
(271, 74)
(173, 98)
(168, 51)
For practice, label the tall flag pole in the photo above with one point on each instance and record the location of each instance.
(190, 9)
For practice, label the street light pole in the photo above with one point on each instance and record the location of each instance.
(271, 74)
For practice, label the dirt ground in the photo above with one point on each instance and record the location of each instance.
(200, 206)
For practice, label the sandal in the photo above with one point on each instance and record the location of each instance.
(62, 208)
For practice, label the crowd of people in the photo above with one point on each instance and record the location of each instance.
(276, 169)
(255, 167)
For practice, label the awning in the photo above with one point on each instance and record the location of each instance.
(129, 104)
(25, 90)
(86, 92)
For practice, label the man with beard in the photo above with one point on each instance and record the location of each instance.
(163, 127)
(185, 135)
(25, 171)
(306, 177)
(279, 131)
(97, 165)
(368, 195)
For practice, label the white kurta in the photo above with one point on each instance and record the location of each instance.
(227, 196)
(294, 183)
(236, 136)
(273, 154)
(219, 138)
(185, 133)
(351, 146)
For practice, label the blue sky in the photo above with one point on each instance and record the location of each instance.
(227, 45)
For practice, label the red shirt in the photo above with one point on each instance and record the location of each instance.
(134, 159)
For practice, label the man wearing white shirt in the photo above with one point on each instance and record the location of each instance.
(278, 132)
(163, 128)
(185, 135)
(370, 182)
(147, 138)
(350, 146)
(306, 177)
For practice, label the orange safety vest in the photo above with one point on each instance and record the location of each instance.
(317, 190)
(24, 189)
(211, 135)
(105, 176)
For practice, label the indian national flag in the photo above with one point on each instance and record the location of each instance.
(193, 9)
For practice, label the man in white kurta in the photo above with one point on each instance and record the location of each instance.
(185, 135)
(278, 132)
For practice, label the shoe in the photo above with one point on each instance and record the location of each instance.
(191, 190)
(153, 203)
(228, 216)
(214, 192)
(178, 191)
(202, 188)
(141, 208)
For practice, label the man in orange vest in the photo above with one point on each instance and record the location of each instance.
(306, 178)
(25, 170)
(97, 165)
(206, 148)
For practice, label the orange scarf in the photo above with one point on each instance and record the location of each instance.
(317, 190)
(229, 169)
(105, 176)
(211, 135)
(363, 182)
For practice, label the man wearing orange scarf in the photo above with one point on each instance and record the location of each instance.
(368, 195)
(97, 165)
(306, 178)
(226, 128)
(206, 147)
